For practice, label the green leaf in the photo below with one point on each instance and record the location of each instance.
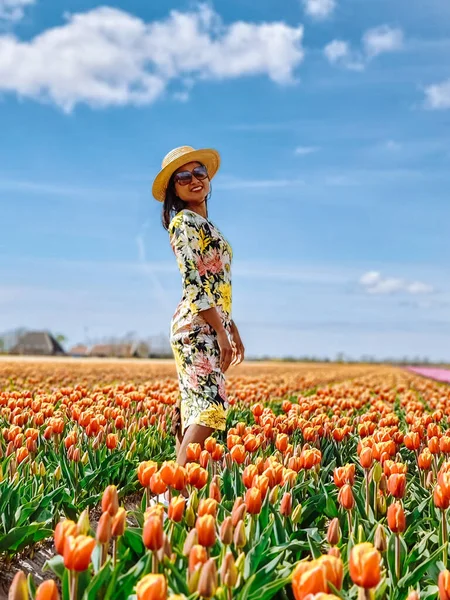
(98, 582)
(413, 578)
(56, 565)
(132, 538)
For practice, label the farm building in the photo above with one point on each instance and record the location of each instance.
(38, 343)
(120, 350)
(79, 350)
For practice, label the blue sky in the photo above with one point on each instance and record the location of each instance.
(333, 121)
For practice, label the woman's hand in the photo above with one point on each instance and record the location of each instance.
(226, 351)
(239, 350)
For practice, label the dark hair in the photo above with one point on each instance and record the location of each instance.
(173, 204)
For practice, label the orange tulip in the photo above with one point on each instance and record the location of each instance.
(396, 485)
(433, 445)
(366, 458)
(206, 530)
(19, 587)
(440, 498)
(207, 506)
(214, 491)
(77, 552)
(308, 579)
(145, 472)
(193, 451)
(176, 508)
(197, 476)
(253, 501)
(48, 590)
(286, 504)
(396, 518)
(364, 565)
(167, 472)
(152, 587)
(346, 498)
(334, 569)
(204, 459)
(197, 556)
(444, 585)
(119, 522)
(157, 485)
(111, 441)
(282, 442)
(103, 534)
(210, 444)
(153, 533)
(250, 472)
(412, 440)
(238, 454)
(424, 460)
(62, 530)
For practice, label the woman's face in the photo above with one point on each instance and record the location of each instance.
(196, 189)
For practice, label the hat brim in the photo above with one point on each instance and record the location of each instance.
(207, 156)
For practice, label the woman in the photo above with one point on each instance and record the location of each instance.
(204, 339)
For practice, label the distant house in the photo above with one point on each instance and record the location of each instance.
(79, 350)
(38, 343)
(120, 350)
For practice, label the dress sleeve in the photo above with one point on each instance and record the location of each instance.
(190, 241)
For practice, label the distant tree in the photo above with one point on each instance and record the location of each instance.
(2, 344)
(61, 338)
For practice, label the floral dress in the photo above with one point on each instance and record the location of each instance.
(204, 259)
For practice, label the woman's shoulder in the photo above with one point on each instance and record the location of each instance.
(184, 216)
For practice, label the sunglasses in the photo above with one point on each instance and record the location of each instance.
(185, 177)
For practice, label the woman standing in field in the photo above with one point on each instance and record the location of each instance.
(204, 339)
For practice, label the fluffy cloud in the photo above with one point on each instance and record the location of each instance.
(438, 95)
(374, 42)
(319, 9)
(382, 39)
(109, 57)
(13, 10)
(373, 283)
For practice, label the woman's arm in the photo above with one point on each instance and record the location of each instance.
(213, 319)
(239, 346)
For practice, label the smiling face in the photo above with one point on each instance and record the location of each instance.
(196, 189)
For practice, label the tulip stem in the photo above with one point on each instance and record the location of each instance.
(397, 556)
(375, 496)
(73, 585)
(147, 497)
(366, 476)
(349, 518)
(444, 537)
(114, 551)
(155, 563)
(365, 594)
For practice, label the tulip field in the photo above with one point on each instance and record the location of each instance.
(331, 481)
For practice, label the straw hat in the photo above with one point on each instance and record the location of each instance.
(179, 157)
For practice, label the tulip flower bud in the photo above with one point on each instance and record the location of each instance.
(190, 517)
(103, 534)
(34, 467)
(377, 471)
(19, 587)
(119, 522)
(42, 470)
(193, 578)
(429, 480)
(361, 535)
(240, 563)
(132, 447)
(57, 474)
(48, 590)
(381, 504)
(297, 514)
(383, 483)
(85, 458)
(83, 524)
(153, 533)
(286, 504)
(364, 565)
(444, 585)
(207, 584)
(380, 542)
(413, 596)
(190, 542)
(152, 586)
(226, 531)
(193, 500)
(273, 496)
(334, 532)
(228, 572)
(238, 514)
(110, 500)
(165, 550)
(240, 538)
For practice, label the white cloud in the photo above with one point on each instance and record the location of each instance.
(305, 150)
(109, 57)
(382, 39)
(438, 95)
(374, 283)
(13, 10)
(319, 9)
(374, 42)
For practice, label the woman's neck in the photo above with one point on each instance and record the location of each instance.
(200, 209)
